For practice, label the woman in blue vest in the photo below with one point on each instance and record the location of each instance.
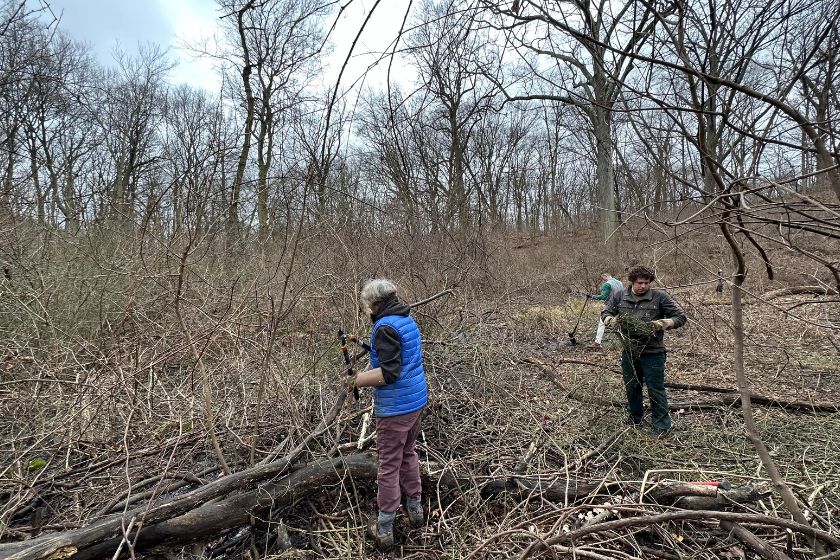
(399, 396)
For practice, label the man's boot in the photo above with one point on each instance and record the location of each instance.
(415, 511)
(381, 530)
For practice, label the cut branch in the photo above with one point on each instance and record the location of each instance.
(762, 547)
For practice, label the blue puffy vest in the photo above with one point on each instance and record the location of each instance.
(408, 393)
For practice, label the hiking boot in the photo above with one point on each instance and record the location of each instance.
(381, 530)
(594, 346)
(635, 423)
(662, 434)
(415, 512)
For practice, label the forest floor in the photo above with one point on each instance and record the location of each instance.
(96, 431)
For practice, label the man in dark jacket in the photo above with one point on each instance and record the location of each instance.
(399, 396)
(643, 360)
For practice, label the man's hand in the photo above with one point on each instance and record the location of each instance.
(350, 382)
(662, 324)
(610, 321)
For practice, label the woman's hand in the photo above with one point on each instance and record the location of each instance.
(350, 382)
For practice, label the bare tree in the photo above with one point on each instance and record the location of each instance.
(131, 110)
(198, 147)
(447, 50)
(579, 53)
(389, 158)
(61, 131)
(20, 59)
(499, 142)
(278, 43)
(820, 87)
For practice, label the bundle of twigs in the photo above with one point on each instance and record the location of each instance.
(633, 333)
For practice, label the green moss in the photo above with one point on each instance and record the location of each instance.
(816, 360)
(36, 464)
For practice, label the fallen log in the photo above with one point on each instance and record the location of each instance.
(797, 290)
(55, 545)
(102, 537)
(757, 399)
(711, 404)
(211, 519)
(667, 493)
(208, 520)
(803, 406)
(737, 495)
(682, 515)
(800, 406)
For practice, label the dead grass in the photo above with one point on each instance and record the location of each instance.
(98, 383)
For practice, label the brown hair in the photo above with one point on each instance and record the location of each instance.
(640, 271)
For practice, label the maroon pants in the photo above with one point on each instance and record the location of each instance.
(399, 465)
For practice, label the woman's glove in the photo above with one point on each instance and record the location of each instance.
(610, 321)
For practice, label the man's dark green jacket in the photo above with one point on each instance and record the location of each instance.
(650, 306)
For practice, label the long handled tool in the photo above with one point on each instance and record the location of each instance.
(343, 339)
(572, 339)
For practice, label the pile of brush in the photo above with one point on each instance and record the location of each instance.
(633, 333)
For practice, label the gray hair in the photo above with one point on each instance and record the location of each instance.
(375, 291)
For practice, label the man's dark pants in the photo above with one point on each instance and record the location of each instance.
(647, 369)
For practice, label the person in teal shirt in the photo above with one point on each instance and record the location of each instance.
(609, 288)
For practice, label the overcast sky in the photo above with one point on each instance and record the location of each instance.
(104, 24)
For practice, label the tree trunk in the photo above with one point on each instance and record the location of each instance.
(8, 179)
(236, 186)
(659, 179)
(263, 163)
(762, 547)
(457, 188)
(203, 519)
(604, 170)
(35, 178)
(743, 387)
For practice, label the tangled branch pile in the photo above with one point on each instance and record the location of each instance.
(107, 444)
(514, 464)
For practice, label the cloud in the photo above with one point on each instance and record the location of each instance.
(105, 24)
(194, 24)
